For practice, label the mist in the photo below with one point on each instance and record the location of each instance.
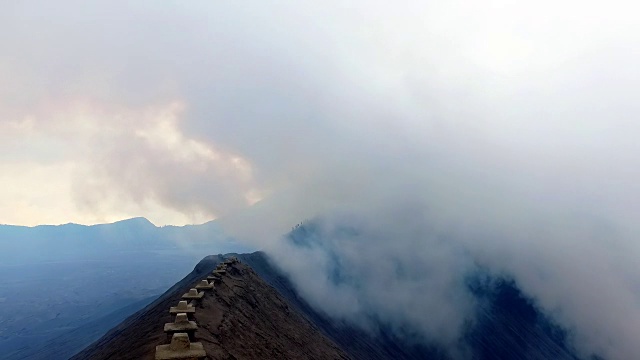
(451, 135)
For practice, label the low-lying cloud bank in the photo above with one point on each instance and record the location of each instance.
(497, 134)
(404, 269)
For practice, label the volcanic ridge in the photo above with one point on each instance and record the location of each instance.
(227, 312)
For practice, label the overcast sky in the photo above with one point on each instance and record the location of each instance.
(514, 120)
(182, 112)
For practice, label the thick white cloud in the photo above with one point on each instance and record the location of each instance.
(87, 163)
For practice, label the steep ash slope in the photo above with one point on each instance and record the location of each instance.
(137, 336)
(508, 325)
(357, 343)
(242, 318)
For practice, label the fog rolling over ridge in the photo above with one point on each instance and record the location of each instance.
(429, 139)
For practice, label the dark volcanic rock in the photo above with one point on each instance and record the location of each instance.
(248, 319)
(359, 344)
(242, 318)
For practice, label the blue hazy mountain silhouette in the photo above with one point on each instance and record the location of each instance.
(58, 279)
(21, 244)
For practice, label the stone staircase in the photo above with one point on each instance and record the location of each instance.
(181, 333)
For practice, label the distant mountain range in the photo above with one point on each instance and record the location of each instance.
(70, 242)
(62, 287)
